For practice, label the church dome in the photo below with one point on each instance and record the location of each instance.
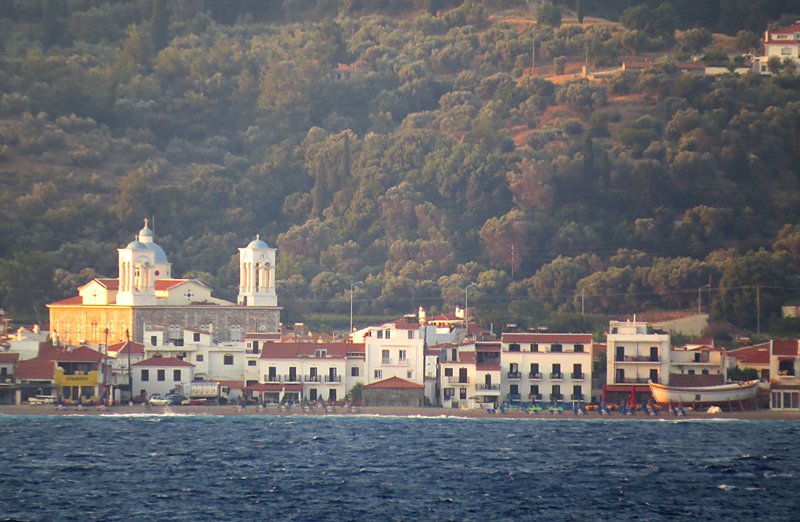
(257, 243)
(145, 232)
(136, 245)
(161, 257)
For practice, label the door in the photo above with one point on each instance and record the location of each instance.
(292, 374)
(577, 372)
(487, 381)
(312, 374)
(462, 375)
(271, 376)
(620, 377)
(654, 353)
(620, 353)
(332, 375)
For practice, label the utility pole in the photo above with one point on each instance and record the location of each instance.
(758, 309)
(512, 261)
(130, 370)
(352, 287)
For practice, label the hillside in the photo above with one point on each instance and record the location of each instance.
(415, 152)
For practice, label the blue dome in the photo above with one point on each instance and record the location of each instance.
(146, 232)
(136, 245)
(161, 257)
(257, 244)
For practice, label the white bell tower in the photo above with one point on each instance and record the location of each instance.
(136, 275)
(257, 275)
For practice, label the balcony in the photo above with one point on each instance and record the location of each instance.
(576, 397)
(535, 376)
(556, 376)
(457, 380)
(487, 387)
(637, 358)
(272, 378)
(394, 362)
(631, 381)
(535, 396)
(514, 375)
(312, 378)
(291, 378)
(556, 396)
(333, 379)
(578, 376)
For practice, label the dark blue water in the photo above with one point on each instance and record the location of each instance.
(201, 468)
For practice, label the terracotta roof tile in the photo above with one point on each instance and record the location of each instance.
(569, 338)
(308, 350)
(394, 382)
(782, 347)
(9, 358)
(122, 348)
(36, 370)
(72, 301)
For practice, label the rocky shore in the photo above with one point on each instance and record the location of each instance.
(390, 411)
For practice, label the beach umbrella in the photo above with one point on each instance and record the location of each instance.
(633, 396)
(604, 394)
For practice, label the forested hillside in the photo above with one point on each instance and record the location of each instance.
(405, 144)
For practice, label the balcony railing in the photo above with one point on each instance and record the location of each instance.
(272, 378)
(577, 375)
(312, 378)
(630, 381)
(556, 396)
(514, 375)
(455, 379)
(637, 358)
(487, 387)
(394, 362)
(576, 397)
(291, 378)
(556, 376)
(333, 379)
(535, 396)
(535, 376)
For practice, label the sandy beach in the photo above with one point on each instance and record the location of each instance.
(391, 411)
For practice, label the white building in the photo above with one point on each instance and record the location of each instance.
(782, 44)
(635, 357)
(161, 375)
(470, 375)
(697, 365)
(26, 342)
(546, 367)
(308, 371)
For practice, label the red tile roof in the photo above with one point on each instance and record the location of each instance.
(167, 284)
(545, 338)
(258, 336)
(485, 367)
(782, 347)
(122, 348)
(394, 382)
(111, 284)
(36, 370)
(9, 358)
(598, 348)
(787, 30)
(487, 347)
(236, 385)
(401, 324)
(80, 354)
(163, 361)
(72, 301)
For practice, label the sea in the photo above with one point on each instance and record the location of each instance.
(376, 468)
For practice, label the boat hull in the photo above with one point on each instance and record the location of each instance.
(722, 395)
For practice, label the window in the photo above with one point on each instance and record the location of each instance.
(379, 334)
(411, 334)
(534, 390)
(388, 334)
(198, 357)
(379, 374)
(312, 394)
(228, 360)
(654, 376)
(535, 347)
(454, 354)
(514, 391)
(579, 348)
(385, 356)
(252, 363)
(145, 375)
(462, 394)
(448, 372)
(785, 51)
(162, 375)
(449, 393)
(176, 375)
(556, 348)
(320, 353)
(255, 346)
(705, 372)
(354, 371)
(410, 374)
(402, 355)
(513, 347)
(555, 394)
(154, 340)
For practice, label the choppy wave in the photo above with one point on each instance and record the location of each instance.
(150, 466)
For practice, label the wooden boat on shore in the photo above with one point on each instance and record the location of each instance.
(739, 393)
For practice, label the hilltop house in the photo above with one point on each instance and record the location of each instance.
(783, 44)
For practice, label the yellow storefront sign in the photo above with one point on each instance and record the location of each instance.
(76, 380)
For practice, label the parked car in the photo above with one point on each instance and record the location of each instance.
(177, 400)
(158, 400)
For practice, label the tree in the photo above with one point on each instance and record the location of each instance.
(579, 11)
(27, 285)
(160, 24)
(548, 14)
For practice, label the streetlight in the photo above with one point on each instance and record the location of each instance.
(466, 305)
(352, 287)
(700, 299)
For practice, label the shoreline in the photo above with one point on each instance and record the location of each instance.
(388, 411)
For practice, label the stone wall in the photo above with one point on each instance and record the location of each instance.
(409, 397)
(250, 318)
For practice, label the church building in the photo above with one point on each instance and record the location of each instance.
(145, 297)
